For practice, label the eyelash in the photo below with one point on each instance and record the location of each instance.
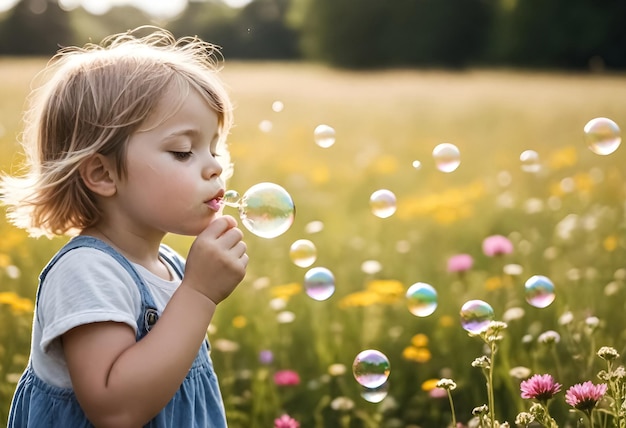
(182, 155)
(187, 155)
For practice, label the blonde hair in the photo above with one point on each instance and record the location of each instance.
(95, 97)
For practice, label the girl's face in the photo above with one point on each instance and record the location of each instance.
(173, 179)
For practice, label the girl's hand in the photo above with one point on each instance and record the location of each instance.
(217, 260)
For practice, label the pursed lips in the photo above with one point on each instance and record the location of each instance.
(215, 203)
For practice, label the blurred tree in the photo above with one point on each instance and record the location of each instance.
(399, 33)
(257, 31)
(567, 33)
(34, 27)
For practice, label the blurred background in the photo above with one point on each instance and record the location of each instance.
(392, 79)
(563, 34)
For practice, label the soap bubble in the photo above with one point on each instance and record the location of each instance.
(416, 164)
(447, 157)
(383, 203)
(371, 368)
(303, 253)
(266, 126)
(530, 161)
(539, 291)
(319, 283)
(421, 299)
(476, 316)
(324, 136)
(266, 209)
(375, 395)
(602, 136)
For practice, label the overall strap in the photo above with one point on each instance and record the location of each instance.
(149, 314)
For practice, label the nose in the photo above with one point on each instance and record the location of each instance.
(211, 168)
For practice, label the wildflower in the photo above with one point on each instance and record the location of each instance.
(540, 388)
(482, 362)
(240, 321)
(336, 369)
(549, 337)
(584, 396)
(447, 384)
(520, 372)
(460, 263)
(266, 356)
(513, 314)
(497, 245)
(430, 384)
(286, 378)
(225, 345)
(524, 418)
(286, 421)
(419, 340)
(480, 410)
(607, 353)
(285, 317)
(342, 404)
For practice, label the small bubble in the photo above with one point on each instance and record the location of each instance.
(303, 253)
(539, 291)
(371, 368)
(416, 164)
(315, 226)
(602, 136)
(319, 283)
(421, 299)
(476, 316)
(383, 203)
(447, 157)
(324, 136)
(530, 161)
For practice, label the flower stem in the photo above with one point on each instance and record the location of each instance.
(452, 407)
(492, 407)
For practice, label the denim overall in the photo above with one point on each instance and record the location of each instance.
(197, 403)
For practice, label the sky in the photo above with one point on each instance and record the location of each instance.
(157, 8)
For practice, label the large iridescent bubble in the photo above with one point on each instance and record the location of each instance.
(476, 316)
(539, 291)
(371, 368)
(266, 209)
(421, 299)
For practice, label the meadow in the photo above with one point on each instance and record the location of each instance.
(278, 351)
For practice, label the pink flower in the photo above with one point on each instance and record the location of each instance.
(460, 263)
(540, 388)
(584, 396)
(497, 245)
(286, 378)
(286, 421)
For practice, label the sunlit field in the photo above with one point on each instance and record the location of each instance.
(278, 351)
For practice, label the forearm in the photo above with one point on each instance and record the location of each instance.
(146, 376)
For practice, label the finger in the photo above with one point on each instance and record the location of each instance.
(230, 238)
(219, 226)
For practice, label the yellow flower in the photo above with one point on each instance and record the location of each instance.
(419, 355)
(319, 174)
(446, 321)
(610, 243)
(430, 384)
(563, 158)
(18, 304)
(386, 287)
(285, 291)
(359, 298)
(5, 260)
(240, 321)
(419, 340)
(493, 283)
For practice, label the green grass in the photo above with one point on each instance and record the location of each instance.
(384, 121)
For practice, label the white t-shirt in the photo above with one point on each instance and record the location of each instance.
(84, 286)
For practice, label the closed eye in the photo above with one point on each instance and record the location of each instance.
(181, 155)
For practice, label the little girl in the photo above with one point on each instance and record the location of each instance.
(124, 144)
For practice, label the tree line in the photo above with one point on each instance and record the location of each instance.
(359, 34)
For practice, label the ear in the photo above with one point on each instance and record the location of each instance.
(99, 175)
